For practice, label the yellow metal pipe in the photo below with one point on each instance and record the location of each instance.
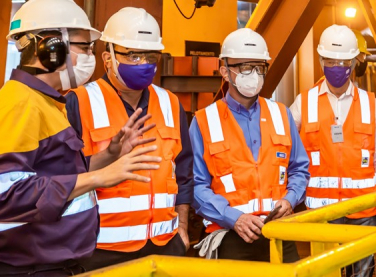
(158, 266)
(276, 251)
(334, 211)
(331, 260)
(315, 231)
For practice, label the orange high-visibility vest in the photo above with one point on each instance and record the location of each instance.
(343, 170)
(250, 186)
(133, 212)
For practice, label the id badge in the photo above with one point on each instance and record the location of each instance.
(337, 133)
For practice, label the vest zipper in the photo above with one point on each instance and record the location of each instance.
(340, 172)
(261, 206)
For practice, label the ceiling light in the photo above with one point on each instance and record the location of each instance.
(350, 12)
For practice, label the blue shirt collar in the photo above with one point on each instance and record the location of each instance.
(237, 107)
(37, 84)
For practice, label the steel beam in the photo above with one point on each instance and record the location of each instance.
(368, 8)
(284, 24)
(190, 84)
(5, 12)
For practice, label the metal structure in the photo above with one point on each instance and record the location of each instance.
(327, 257)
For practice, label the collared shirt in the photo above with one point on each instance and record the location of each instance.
(184, 161)
(215, 207)
(340, 105)
(40, 159)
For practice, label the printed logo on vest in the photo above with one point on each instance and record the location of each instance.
(365, 161)
(281, 155)
(282, 176)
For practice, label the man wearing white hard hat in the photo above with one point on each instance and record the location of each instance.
(136, 219)
(249, 161)
(336, 121)
(48, 206)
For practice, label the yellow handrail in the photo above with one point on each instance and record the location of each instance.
(328, 257)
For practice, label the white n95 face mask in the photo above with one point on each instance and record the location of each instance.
(249, 85)
(82, 71)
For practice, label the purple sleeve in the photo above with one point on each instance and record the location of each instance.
(35, 199)
(184, 164)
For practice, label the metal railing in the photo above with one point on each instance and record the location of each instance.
(332, 248)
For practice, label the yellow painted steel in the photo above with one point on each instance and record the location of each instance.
(327, 256)
(368, 7)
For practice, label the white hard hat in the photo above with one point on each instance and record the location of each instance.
(244, 43)
(133, 28)
(338, 42)
(50, 14)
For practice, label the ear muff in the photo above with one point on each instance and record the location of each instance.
(52, 52)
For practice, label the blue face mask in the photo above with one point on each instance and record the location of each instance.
(337, 76)
(137, 77)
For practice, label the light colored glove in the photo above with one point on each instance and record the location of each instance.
(209, 245)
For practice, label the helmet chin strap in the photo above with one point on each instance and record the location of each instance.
(114, 65)
(72, 77)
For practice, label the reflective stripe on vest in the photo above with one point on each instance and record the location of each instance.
(165, 104)
(135, 203)
(99, 109)
(98, 105)
(216, 135)
(313, 99)
(134, 233)
(346, 183)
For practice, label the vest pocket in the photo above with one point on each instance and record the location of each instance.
(363, 136)
(312, 141)
(101, 138)
(170, 138)
(220, 153)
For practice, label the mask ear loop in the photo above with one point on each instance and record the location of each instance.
(114, 65)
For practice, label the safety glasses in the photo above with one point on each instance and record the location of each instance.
(247, 68)
(139, 57)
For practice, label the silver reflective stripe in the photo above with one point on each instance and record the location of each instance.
(10, 225)
(9, 178)
(364, 106)
(253, 206)
(228, 183)
(122, 204)
(121, 234)
(347, 183)
(313, 202)
(82, 203)
(164, 200)
(138, 232)
(164, 227)
(313, 99)
(98, 105)
(215, 128)
(135, 203)
(275, 112)
(165, 104)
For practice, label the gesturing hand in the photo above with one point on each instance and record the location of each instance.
(129, 136)
(122, 169)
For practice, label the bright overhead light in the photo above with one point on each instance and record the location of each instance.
(350, 12)
(18, 1)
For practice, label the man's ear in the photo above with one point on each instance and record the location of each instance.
(224, 72)
(106, 57)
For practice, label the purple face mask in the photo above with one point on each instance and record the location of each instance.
(137, 77)
(337, 76)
